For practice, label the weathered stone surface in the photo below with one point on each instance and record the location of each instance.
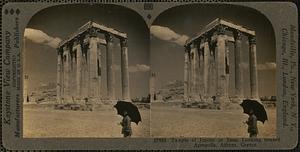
(238, 66)
(213, 63)
(124, 70)
(221, 80)
(109, 64)
(66, 79)
(206, 68)
(59, 78)
(186, 73)
(253, 68)
(78, 50)
(93, 67)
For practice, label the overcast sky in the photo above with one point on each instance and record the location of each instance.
(53, 24)
(171, 28)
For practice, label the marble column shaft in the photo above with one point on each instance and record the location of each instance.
(93, 66)
(66, 56)
(227, 68)
(59, 74)
(200, 73)
(78, 69)
(194, 71)
(73, 90)
(186, 72)
(109, 63)
(206, 68)
(84, 73)
(99, 70)
(253, 68)
(238, 65)
(221, 73)
(124, 70)
(189, 84)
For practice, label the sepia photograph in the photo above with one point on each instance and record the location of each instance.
(86, 73)
(137, 75)
(213, 73)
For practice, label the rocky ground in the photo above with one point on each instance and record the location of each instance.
(42, 121)
(169, 120)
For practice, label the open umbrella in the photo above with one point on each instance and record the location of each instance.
(131, 109)
(258, 109)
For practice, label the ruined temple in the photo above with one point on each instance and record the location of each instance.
(79, 68)
(206, 68)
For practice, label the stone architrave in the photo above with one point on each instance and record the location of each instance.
(109, 64)
(253, 68)
(124, 70)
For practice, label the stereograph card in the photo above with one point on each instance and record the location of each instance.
(137, 75)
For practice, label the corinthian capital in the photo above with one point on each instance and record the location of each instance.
(252, 40)
(109, 37)
(237, 35)
(123, 42)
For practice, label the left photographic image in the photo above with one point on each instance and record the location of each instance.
(86, 72)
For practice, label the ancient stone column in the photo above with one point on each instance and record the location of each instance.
(84, 74)
(66, 58)
(186, 73)
(214, 76)
(124, 70)
(59, 71)
(238, 66)
(227, 68)
(200, 80)
(99, 61)
(253, 68)
(221, 73)
(109, 64)
(206, 56)
(210, 71)
(73, 90)
(152, 86)
(194, 57)
(78, 50)
(93, 66)
(189, 73)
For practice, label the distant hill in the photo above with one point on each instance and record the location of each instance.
(173, 91)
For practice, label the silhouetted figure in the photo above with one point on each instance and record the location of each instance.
(126, 125)
(252, 124)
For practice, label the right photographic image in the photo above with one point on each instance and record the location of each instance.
(213, 73)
